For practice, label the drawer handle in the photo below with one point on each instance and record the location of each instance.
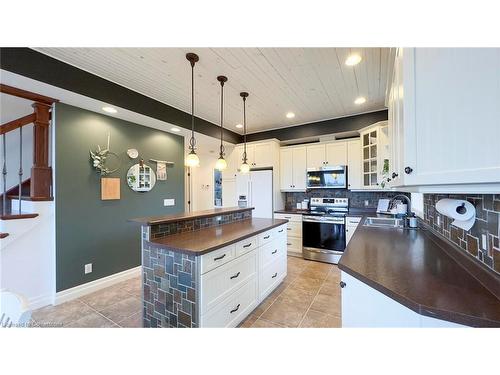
(281, 230)
(288, 217)
(275, 274)
(288, 244)
(250, 244)
(219, 258)
(275, 251)
(288, 228)
(266, 237)
(235, 309)
(235, 276)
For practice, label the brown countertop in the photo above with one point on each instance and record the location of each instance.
(208, 239)
(152, 220)
(415, 268)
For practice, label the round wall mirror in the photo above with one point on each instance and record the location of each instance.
(141, 178)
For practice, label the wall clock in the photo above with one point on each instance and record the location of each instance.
(132, 153)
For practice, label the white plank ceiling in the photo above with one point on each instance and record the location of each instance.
(314, 83)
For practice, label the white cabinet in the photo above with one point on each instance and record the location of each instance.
(294, 233)
(351, 224)
(445, 115)
(236, 278)
(259, 155)
(326, 154)
(354, 164)
(293, 168)
(336, 153)
(375, 155)
(365, 307)
(316, 156)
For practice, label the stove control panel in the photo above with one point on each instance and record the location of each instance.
(330, 202)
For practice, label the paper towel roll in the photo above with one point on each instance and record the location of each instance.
(462, 211)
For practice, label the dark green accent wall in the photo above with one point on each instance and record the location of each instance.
(89, 230)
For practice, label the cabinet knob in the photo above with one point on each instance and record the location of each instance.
(342, 284)
(394, 175)
(408, 170)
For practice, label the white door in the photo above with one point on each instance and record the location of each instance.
(229, 195)
(299, 164)
(336, 154)
(261, 193)
(354, 164)
(286, 169)
(452, 115)
(316, 156)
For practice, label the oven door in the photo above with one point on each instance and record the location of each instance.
(323, 238)
(327, 178)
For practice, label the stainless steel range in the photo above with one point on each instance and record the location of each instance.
(323, 229)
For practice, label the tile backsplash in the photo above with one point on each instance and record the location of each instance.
(357, 199)
(487, 224)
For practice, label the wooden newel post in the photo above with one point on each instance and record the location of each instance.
(41, 173)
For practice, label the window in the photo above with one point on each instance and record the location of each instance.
(217, 188)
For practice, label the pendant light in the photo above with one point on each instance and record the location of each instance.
(244, 168)
(221, 162)
(192, 160)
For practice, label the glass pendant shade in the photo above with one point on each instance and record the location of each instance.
(192, 160)
(221, 164)
(244, 168)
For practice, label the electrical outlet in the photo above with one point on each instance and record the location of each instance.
(438, 218)
(484, 243)
(88, 268)
(367, 203)
(169, 202)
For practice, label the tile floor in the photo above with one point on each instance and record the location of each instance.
(309, 297)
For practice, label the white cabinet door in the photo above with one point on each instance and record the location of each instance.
(263, 155)
(336, 153)
(452, 115)
(286, 169)
(354, 164)
(316, 157)
(299, 165)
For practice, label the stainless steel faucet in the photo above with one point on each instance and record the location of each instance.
(408, 203)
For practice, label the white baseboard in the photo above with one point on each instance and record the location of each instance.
(40, 301)
(93, 286)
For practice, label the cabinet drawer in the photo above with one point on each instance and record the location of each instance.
(294, 245)
(267, 237)
(291, 217)
(219, 283)
(280, 231)
(354, 221)
(216, 258)
(234, 309)
(273, 250)
(271, 275)
(246, 245)
(294, 229)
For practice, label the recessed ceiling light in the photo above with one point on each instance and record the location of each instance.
(109, 109)
(176, 130)
(290, 115)
(239, 126)
(360, 100)
(352, 60)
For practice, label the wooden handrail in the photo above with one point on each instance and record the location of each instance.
(17, 123)
(14, 91)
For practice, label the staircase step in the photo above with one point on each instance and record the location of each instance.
(18, 216)
(3, 235)
(28, 198)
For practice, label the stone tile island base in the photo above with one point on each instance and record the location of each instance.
(210, 272)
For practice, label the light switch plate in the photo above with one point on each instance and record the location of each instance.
(169, 202)
(484, 242)
(88, 268)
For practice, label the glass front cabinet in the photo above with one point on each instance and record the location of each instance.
(375, 156)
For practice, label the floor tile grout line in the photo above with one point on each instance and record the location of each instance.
(317, 293)
(96, 311)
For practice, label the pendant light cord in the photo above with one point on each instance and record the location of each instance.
(244, 130)
(221, 118)
(192, 141)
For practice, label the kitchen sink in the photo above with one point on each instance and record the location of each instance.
(385, 222)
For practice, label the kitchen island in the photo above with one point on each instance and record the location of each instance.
(211, 268)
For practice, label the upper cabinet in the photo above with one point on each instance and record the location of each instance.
(329, 154)
(354, 164)
(293, 168)
(375, 155)
(445, 116)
